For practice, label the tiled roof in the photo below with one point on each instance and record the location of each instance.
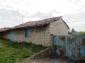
(35, 23)
(3, 29)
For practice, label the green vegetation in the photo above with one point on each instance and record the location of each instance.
(78, 33)
(69, 33)
(81, 33)
(11, 52)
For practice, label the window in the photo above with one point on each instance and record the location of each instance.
(27, 33)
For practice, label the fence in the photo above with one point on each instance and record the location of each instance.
(70, 46)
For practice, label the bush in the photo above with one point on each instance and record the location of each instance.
(81, 33)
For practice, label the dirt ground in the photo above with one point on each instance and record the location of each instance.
(48, 60)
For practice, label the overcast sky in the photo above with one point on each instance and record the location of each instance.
(14, 12)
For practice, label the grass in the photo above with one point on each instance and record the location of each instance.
(11, 52)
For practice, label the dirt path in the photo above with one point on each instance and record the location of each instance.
(48, 60)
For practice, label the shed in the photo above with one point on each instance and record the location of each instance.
(37, 32)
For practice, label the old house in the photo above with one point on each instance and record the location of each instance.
(37, 32)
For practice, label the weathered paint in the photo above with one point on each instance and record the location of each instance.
(12, 36)
(27, 33)
(70, 47)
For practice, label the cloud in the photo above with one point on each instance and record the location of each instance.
(77, 26)
(75, 17)
(9, 18)
(8, 13)
(76, 21)
(12, 10)
(41, 15)
(45, 6)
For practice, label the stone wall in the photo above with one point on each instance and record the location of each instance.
(39, 35)
(58, 28)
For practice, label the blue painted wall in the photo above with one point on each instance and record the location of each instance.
(12, 36)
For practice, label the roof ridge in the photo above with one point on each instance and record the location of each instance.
(38, 23)
(47, 20)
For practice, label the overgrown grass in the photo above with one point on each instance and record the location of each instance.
(11, 52)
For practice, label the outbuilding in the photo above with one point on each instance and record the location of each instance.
(37, 32)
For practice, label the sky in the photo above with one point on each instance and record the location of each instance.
(14, 12)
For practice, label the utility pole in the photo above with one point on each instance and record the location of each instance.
(23, 18)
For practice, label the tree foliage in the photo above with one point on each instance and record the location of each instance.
(81, 33)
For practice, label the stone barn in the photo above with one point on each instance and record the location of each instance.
(37, 32)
